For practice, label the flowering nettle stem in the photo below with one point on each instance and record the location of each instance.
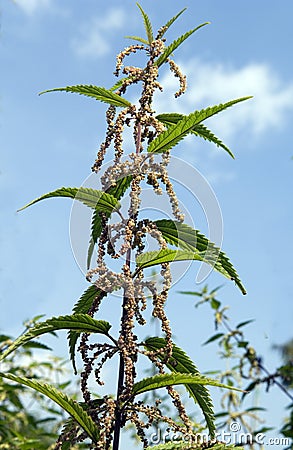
(123, 244)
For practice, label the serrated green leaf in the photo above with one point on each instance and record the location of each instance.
(198, 130)
(81, 323)
(137, 38)
(166, 255)
(117, 191)
(154, 258)
(170, 22)
(93, 198)
(82, 306)
(181, 363)
(121, 186)
(147, 25)
(99, 93)
(202, 131)
(67, 404)
(120, 82)
(175, 133)
(70, 426)
(172, 379)
(187, 238)
(85, 302)
(175, 44)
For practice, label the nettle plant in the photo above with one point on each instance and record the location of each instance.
(97, 422)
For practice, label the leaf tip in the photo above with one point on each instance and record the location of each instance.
(240, 285)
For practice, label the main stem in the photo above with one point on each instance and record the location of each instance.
(117, 426)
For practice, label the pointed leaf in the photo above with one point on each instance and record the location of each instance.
(215, 337)
(35, 345)
(119, 83)
(96, 92)
(121, 186)
(250, 387)
(82, 306)
(197, 294)
(181, 363)
(96, 226)
(172, 379)
(198, 130)
(90, 197)
(243, 324)
(70, 427)
(187, 238)
(154, 258)
(90, 251)
(67, 404)
(137, 38)
(170, 49)
(149, 259)
(116, 191)
(81, 323)
(170, 22)
(175, 133)
(147, 25)
(202, 131)
(85, 302)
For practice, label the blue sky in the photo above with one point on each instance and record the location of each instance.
(50, 141)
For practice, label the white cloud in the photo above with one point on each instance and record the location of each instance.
(32, 6)
(213, 83)
(94, 36)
